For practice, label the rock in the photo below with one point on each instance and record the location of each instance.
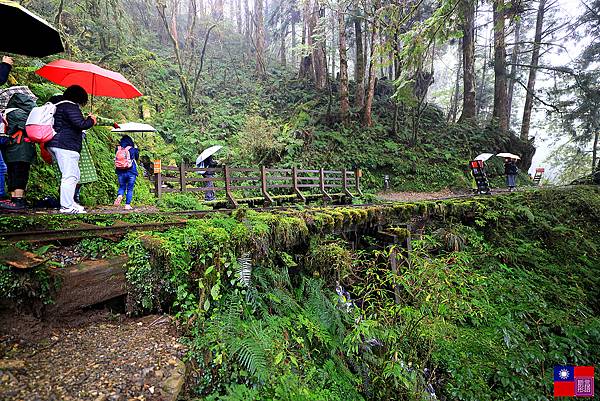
(12, 364)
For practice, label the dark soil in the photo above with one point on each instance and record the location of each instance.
(94, 355)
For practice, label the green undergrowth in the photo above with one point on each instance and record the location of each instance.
(496, 291)
(281, 306)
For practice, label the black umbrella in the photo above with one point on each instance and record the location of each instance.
(25, 33)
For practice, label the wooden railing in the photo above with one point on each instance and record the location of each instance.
(263, 181)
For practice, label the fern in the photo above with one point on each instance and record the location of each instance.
(244, 271)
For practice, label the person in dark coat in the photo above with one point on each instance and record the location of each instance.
(19, 153)
(65, 147)
(5, 68)
(209, 162)
(511, 170)
(127, 176)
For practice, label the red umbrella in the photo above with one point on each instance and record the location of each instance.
(96, 81)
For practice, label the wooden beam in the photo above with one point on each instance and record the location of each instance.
(228, 193)
(297, 191)
(263, 186)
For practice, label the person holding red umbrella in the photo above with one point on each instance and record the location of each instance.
(65, 147)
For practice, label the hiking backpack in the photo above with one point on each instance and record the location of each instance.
(4, 137)
(123, 160)
(40, 123)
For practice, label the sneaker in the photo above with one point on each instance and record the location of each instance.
(6, 204)
(78, 207)
(118, 200)
(72, 210)
(128, 207)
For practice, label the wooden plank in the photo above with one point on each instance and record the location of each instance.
(332, 172)
(205, 169)
(239, 187)
(279, 170)
(206, 179)
(307, 171)
(89, 283)
(308, 185)
(157, 184)
(15, 257)
(263, 184)
(228, 193)
(166, 178)
(326, 196)
(204, 189)
(345, 184)
(295, 185)
(243, 170)
(182, 176)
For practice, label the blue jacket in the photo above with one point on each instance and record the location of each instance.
(69, 125)
(134, 153)
(4, 71)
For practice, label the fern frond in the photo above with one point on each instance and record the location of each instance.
(244, 271)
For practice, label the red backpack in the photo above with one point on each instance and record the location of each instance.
(123, 160)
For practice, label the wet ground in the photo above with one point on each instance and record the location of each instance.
(95, 355)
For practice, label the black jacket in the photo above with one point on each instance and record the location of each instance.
(510, 168)
(4, 71)
(68, 124)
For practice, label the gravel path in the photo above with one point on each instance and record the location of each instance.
(418, 196)
(110, 358)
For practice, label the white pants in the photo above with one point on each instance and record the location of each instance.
(68, 163)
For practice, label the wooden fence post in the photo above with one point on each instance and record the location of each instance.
(230, 199)
(295, 185)
(357, 175)
(345, 184)
(157, 178)
(326, 196)
(263, 187)
(182, 171)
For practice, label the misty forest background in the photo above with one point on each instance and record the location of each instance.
(390, 87)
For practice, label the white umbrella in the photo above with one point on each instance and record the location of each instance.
(508, 155)
(206, 153)
(134, 127)
(484, 156)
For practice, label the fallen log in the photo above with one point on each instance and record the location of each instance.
(89, 283)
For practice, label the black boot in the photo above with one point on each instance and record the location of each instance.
(19, 202)
(76, 196)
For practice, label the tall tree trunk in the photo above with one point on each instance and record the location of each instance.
(514, 57)
(500, 88)
(238, 16)
(595, 152)
(293, 50)
(487, 55)
(367, 120)
(247, 23)
(283, 47)
(333, 47)
(319, 55)
(306, 61)
(260, 37)
(359, 69)
(217, 11)
(535, 57)
(344, 102)
(454, 100)
(469, 108)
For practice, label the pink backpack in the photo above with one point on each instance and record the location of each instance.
(40, 123)
(123, 159)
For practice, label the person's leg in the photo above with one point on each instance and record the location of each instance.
(18, 176)
(76, 196)
(209, 195)
(130, 184)
(122, 177)
(68, 163)
(2, 177)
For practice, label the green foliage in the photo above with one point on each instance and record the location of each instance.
(181, 201)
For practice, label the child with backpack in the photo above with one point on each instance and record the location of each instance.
(126, 155)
